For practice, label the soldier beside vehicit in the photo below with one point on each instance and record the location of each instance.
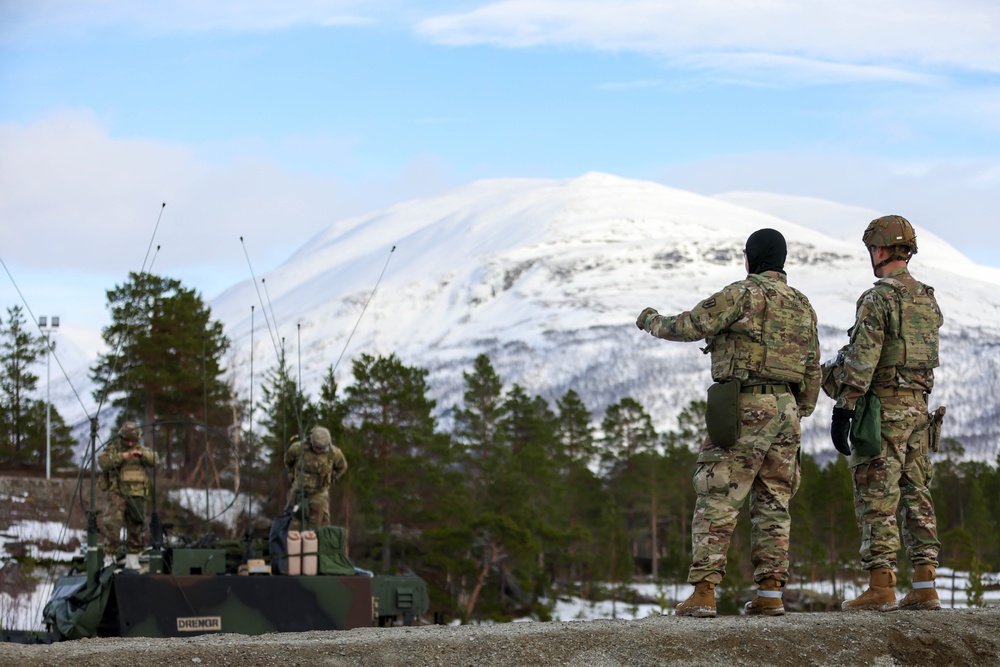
(761, 334)
(312, 469)
(124, 462)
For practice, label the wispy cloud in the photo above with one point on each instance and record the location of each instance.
(894, 39)
(771, 69)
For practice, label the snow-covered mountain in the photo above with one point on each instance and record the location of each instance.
(547, 277)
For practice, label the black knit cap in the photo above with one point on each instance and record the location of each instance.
(766, 251)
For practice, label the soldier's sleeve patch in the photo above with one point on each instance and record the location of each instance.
(708, 304)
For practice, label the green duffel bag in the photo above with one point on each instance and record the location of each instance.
(866, 428)
(722, 415)
(332, 559)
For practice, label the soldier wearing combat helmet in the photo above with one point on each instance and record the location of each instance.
(312, 468)
(888, 366)
(762, 336)
(124, 463)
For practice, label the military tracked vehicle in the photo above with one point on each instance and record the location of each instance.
(190, 591)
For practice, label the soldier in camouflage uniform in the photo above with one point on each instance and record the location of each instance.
(312, 469)
(123, 464)
(892, 352)
(762, 333)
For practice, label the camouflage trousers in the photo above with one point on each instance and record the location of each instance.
(316, 509)
(764, 464)
(127, 511)
(897, 481)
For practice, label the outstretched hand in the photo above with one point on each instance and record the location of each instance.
(643, 316)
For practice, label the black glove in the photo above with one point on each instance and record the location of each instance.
(840, 430)
(641, 320)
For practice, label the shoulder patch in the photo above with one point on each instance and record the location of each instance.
(708, 304)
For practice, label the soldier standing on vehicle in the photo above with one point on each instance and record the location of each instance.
(888, 366)
(123, 464)
(762, 336)
(312, 469)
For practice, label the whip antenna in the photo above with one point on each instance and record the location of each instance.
(249, 553)
(263, 281)
(346, 343)
(267, 321)
(158, 218)
(52, 349)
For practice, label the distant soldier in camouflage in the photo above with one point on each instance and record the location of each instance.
(761, 333)
(312, 469)
(124, 462)
(891, 355)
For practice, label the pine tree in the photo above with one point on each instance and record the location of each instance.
(630, 457)
(392, 427)
(574, 430)
(288, 415)
(478, 422)
(585, 497)
(19, 351)
(61, 440)
(628, 430)
(164, 371)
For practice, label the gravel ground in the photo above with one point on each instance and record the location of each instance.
(942, 638)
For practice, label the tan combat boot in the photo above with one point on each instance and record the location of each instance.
(701, 604)
(768, 601)
(879, 596)
(923, 596)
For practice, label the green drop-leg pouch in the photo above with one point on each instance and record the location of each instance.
(934, 429)
(722, 416)
(866, 428)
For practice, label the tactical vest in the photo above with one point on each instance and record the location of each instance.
(133, 472)
(911, 336)
(778, 351)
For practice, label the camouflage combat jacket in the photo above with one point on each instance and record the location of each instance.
(317, 470)
(125, 477)
(759, 330)
(894, 340)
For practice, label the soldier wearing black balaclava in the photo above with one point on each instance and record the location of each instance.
(762, 336)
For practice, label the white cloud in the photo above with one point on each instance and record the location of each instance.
(79, 207)
(897, 35)
(70, 186)
(777, 69)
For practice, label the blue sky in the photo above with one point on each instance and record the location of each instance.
(272, 120)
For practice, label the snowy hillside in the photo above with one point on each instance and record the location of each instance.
(547, 277)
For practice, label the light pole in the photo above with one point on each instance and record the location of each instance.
(48, 329)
